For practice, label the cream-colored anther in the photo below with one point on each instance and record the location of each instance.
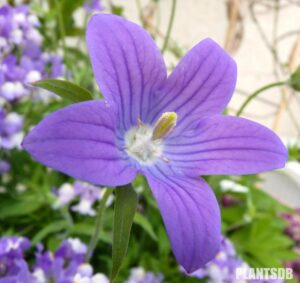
(164, 125)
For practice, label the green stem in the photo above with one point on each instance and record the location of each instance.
(165, 45)
(61, 26)
(95, 236)
(256, 93)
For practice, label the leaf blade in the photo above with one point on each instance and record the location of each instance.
(142, 221)
(65, 89)
(125, 207)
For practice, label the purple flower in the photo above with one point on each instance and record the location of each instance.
(169, 129)
(4, 167)
(295, 265)
(223, 267)
(13, 267)
(64, 264)
(10, 129)
(139, 275)
(23, 60)
(93, 5)
(293, 229)
(88, 195)
(10, 134)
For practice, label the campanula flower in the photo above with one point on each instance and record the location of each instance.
(168, 128)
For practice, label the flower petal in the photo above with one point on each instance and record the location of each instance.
(79, 140)
(225, 145)
(127, 65)
(201, 84)
(191, 215)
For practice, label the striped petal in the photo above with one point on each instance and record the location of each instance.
(202, 84)
(127, 64)
(80, 141)
(225, 145)
(191, 215)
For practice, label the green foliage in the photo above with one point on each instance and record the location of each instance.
(65, 89)
(262, 243)
(295, 80)
(125, 208)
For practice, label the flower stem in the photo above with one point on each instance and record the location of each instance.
(256, 93)
(95, 236)
(61, 26)
(171, 21)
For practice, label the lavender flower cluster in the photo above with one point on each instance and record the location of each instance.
(22, 58)
(87, 194)
(10, 134)
(139, 275)
(293, 229)
(66, 265)
(223, 267)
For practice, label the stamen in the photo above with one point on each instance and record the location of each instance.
(145, 144)
(164, 125)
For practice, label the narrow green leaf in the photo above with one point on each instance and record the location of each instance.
(65, 89)
(54, 227)
(295, 80)
(125, 207)
(87, 229)
(15, 207)
(141, 220)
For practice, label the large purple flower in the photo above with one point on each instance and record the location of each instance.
(167, 128)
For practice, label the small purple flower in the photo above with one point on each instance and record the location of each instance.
(13, 267)
(223, 267)
(295, 265)
(293, 229)
(11, 135)
(4, 167)
(64, 264)
(21, 52)
(139, 275)
(168, 128)
(87, 194)
(93, 5)
(10, 129)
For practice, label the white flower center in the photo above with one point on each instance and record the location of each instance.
(145, 144)
(141, 146)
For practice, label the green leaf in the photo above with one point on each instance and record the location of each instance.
(49, 229)
(145, 224)
(86, 229)
(125, 207)
(117, 10)
(15, 207)
(65, 89)
(295, 80)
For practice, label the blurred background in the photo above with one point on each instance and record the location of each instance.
(48, 217)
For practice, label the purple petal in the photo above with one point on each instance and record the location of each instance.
(191, 215)
(128, 66)
(80, 141)
(201, 84)
(226, 145)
